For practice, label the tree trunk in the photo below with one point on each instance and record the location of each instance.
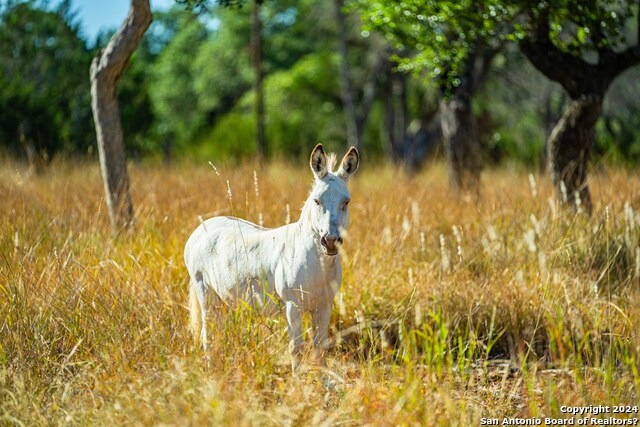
(391, 148)
(346, 88)
(401, 113)
(256, 49)
(460, 126)
(568, 149)
(569, 144)
(395, 116)
(167, 150)
(106, 70)
(461, 143)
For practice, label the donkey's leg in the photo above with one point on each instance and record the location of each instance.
(202, 292)
(320, 319)
(294, 324)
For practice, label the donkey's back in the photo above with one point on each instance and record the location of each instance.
(227, 254)
(206, 238)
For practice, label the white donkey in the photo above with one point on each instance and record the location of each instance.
(298, 262)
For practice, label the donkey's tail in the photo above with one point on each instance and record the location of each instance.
(195, 314)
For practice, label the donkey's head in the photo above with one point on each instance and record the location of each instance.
(329, 198)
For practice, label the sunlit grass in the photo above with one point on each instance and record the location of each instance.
(450, 310)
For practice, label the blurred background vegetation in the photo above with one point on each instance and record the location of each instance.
(188, 91)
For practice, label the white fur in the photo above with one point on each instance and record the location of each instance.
(242, 261)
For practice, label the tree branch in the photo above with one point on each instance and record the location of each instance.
(622, 61)
(568, 70)
(114, 58)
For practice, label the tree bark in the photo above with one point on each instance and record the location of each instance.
(568, 149)
(459, 124)
(346, 87)
(106, 70)
(461, 143)
(395, 116)
(256, 49)
(391, 146)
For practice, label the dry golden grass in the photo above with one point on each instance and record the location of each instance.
(451, 310)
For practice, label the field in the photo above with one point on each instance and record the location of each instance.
(451, 309)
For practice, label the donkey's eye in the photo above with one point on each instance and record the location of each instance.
(345, 204)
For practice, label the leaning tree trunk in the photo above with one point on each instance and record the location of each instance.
(461, 142)
(569, 147)
(106, 70)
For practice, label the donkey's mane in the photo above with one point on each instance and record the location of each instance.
(331, 161)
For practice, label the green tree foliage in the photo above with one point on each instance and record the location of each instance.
(44, 85)
(45, 101)
(206, 68)
(223, 63)
(576, 28)
(174, 97)
(439, 37)
(190, 82)
(583, 46)
(442, 34)
(137, 115)
(303, 104)
(454, 44)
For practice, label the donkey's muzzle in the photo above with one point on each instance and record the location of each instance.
(330, 244)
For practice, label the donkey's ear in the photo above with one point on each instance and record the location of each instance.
(318, 162)
(349, 164)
